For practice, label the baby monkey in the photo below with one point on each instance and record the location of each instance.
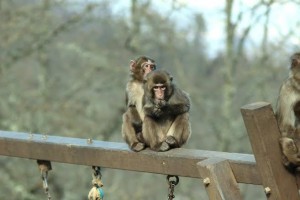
(134, 115)
(288, 115)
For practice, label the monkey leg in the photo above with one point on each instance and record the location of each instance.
(129, 134)
(291, 154)
(180, 131)
(152, 133)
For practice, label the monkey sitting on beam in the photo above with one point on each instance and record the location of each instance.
(288, 115)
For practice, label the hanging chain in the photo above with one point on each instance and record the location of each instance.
(44, 167)
(96, 193)
(172, 184)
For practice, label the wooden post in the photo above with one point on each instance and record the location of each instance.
(264, 134)
(219, 180)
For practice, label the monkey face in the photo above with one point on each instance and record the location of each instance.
(148, 66)
(141, 67)
(159, 91)
(158, 85)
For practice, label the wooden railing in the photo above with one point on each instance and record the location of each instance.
(220, 171)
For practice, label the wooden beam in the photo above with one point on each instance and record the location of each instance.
(219, 180)
(181, 162)
(264, 136)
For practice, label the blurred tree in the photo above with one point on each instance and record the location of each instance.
(64, 65)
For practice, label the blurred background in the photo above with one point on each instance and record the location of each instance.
(64, 65)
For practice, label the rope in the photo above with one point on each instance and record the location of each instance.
(96, 193)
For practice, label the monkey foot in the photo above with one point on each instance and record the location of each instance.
(138, 146)
(164, 147)
(171, 141)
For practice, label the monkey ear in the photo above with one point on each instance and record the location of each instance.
(132, 65)
(171, 78)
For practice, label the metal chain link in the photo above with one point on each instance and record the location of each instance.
(172, 184)
(44, 167)
(45, 183)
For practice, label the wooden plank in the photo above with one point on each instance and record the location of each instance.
(263, 133)
(181, 162)
(219, 180)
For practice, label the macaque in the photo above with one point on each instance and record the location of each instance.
(134, 115)
(288, 114)
(166, 123)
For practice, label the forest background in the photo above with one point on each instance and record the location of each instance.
(64, 65)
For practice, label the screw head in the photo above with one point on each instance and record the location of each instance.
(206, 181)
(267, 190)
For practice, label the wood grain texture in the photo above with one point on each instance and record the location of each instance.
(264, 136)
(181, 162)
(222, 183)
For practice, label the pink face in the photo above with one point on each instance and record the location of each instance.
(148, 66)
(159, 91)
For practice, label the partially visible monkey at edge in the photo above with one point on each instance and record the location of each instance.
(288, 115)
(166, 123)
(134, 115)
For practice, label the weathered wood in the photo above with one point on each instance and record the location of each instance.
(219, 180)
(263, 133)
(181, 162)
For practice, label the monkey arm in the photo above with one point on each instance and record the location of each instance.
(135, 117)
(179, 103)
(284, 113)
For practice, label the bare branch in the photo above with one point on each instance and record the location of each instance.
(40, 44)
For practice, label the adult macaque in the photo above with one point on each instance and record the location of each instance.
(288, 114)
(134, 115)
(166, 123)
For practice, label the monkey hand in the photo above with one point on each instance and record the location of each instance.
(157, 112)
(160, 103)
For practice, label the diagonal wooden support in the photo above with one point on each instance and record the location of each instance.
(219, 179)
(263, 133)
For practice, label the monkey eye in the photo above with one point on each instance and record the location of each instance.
(159, 87)
(152, 66)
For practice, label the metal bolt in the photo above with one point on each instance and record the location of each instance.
(206, 181)
(30, 136)
(89, 141)
(267, 190)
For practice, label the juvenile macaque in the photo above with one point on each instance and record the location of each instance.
(134, 115)
(166, 123)
(288, 114)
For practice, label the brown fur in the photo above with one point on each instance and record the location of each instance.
(166, 124)
(134, 115)
(287, 113)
